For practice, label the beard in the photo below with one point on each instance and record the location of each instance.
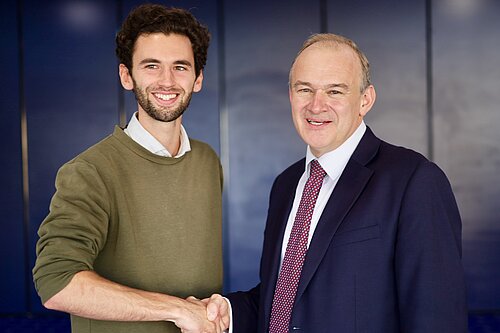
(160, 113)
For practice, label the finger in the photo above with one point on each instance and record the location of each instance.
(223, 305)
(224, 314)
(223, 326)
(225, 321)
(194, 300)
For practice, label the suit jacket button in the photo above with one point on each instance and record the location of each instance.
(296, 328)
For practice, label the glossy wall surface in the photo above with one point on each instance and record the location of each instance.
(467, 126)
(12, 238)
(433, 65)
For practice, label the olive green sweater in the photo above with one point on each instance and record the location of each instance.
(142, 220)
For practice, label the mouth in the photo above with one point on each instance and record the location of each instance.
(165, 97)
(315, 122)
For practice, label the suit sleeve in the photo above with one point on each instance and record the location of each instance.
(429, 272)
(245, 306)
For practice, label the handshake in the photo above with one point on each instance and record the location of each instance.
(204, 316)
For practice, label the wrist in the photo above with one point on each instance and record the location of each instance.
(170, 308)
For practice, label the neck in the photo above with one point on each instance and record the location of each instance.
(167, 133)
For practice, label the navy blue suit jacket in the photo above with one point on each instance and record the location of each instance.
(385, 256)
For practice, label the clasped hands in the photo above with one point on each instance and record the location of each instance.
(208, 315)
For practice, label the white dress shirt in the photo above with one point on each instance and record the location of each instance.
(140, 135)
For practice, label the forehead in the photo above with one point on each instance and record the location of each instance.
(163, 47)
(326, 63)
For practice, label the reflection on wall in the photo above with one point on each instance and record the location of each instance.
(467, 122)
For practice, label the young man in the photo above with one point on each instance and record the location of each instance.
(361, 235)
(135, 224)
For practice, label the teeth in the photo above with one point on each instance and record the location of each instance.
(317, 123)
(165, 97)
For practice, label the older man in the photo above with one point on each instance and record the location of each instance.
(361, 235)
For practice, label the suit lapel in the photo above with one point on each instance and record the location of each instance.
(349, 187)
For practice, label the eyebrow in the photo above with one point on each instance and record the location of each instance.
(149, 61)
(156, 61)
(328, 86)
(183, 62)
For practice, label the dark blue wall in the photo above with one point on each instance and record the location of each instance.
(466, 81)
(12, 237)
(434, 66)
(70, 91)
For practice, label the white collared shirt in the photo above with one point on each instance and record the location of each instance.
(139, 134)
(334, 163)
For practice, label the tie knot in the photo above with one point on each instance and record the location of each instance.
(316, 170)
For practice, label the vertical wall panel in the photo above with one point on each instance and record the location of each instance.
(13, 272)
(262, 38)
(466, 86)
(71, 90)
(392, 35)
(201, 119)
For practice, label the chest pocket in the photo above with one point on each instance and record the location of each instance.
(356, 235)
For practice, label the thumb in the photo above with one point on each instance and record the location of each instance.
(212, 311)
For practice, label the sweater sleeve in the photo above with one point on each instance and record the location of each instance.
(75, 229)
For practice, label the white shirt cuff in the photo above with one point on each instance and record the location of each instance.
(230, 330)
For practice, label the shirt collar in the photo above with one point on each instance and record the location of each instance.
(335, 161)
(139, 134)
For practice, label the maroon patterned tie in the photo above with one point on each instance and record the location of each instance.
(288, 279)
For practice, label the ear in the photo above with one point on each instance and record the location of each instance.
(367, 100)
(198, 83)
(125, 77)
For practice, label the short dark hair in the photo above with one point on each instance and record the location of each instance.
(152, 18)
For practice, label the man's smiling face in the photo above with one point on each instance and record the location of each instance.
(325, 96)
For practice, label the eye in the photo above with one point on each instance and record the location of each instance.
(180, 68)
(334, 92)
(304, 90)
(151, 66)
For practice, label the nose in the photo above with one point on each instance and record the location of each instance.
(166, 77)
(318, 102)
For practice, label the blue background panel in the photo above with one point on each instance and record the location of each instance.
(70, 90)
(12, 252)
(466, 86)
